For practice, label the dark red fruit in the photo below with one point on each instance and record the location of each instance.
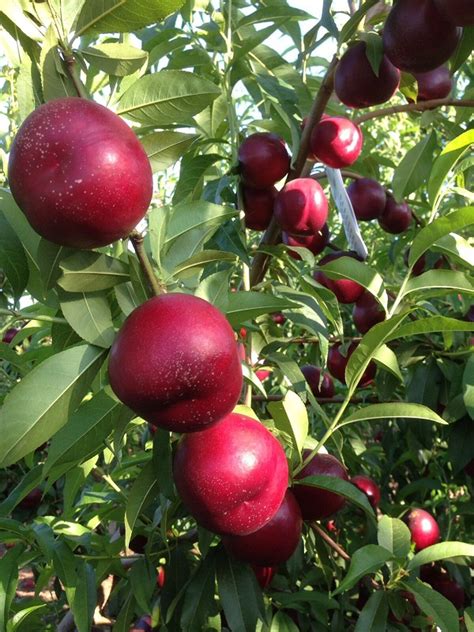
(357, 85)
(469, 468)
(367, 312)
(233, 476)
(279, 318)
(434, 84)
(423, 528)
(336, 142)
(301, 208)
(313, 377)
(419, 266)
(440, 581)
(396, 216)
(314, 243)
(369, 487)
(318, 503)
(9, 335)
(263, 160)
(368, 198)
(346, 291)
(459, 12)
(417, 38)
(32, 500)
(258, 207)
(264, 575)
(275, 542)
(175, 362)
(337, 364)
(79, 173)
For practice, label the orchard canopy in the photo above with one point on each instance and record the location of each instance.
(236, 315)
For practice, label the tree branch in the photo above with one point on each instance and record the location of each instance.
(137, 241)
(71, 66)
(414, 107)
(24, 315)
(334, 545)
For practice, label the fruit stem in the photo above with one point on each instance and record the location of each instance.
(261, 260)
(22, 315)
(414, 107)
(156, 285)
(334, 545)
(71, 66)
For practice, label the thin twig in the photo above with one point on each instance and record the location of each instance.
(414, 107)
(71, 66)
(334, 545)
(137, 240)
(24, 315)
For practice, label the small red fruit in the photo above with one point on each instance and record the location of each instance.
(459, 12)
(368, 198)
(9, 335)
(314, 243)
(318, 503)
(175, 362)
(325, 389)
(423, 528)
(434, 84)
(337, 364)
(263, 160)
(346, 290)
(262, 374)
(336, 142)
(161, 577)
(233, 476)
(258, 207)
(301, 208)
(357, 85)
(369, 487)
(396, 216)
(275, 542)
(279, 318)
(367, 312)
(264, 574)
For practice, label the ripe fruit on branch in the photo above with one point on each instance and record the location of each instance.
(434, 84)
(233, 476)
(275, 542)
(423, 528)
(301, 208)
(9, 335)
(459, 12)
(175, 362)
(396, 216)
(317, 503)
(357, 85)
(320, 388)
(417, 37)
(369, 487)
(442, 583)
(346, 290)
(32, 500)
(419, 266)
(314, 243)
(367, 312)
(258, 207)
(264, 574)
(79, 174)
(336, 142)
(337, 364)
(368, 198)
(263, 160)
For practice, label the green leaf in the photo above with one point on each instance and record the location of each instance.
(341, 487)
(434, 605)
(115, 59)
(87, 271)
(143, 491)
(240, 597)
(387, 359)
(440, 227)
(143, 580)
(468, 387)
(26, 484)
(192, 171)
(199, 596)
(56, 82)
(394, 535)
(393, 410)
(436, 281)
(269, 14)
(414, 168)
(350, 27)
(367, 559)
(42, 402)
(431, 325)
(13, 259)
(446, 161)
(441, 551)
(195, 215)
(463, 51)
(165, 148)
(166, 97)
(469, 616)
(290, 416)
(201, 260)
(281, 622)
(373, 617)
(19, 618)
(90, 317)
(243, 306)
(215, 288)
(8, 582)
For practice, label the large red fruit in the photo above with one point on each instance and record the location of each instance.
(301, 208)
(79, 174)
(434, 84)
(441, 582)
(423, 528)
(313, 377)
(346, 290)
(336, 142)
(459, 12)
(263, 160)
(357, 85)
(367, 312)
(175, 362)
(369, 487)
(233, 476)
(275, 542)
(314, 243)
(417, 38)
(368, 198)
(337, 364)
(258, 207)
(396, 216)
(318, 503)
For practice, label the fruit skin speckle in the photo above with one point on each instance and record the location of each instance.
(79, 173)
